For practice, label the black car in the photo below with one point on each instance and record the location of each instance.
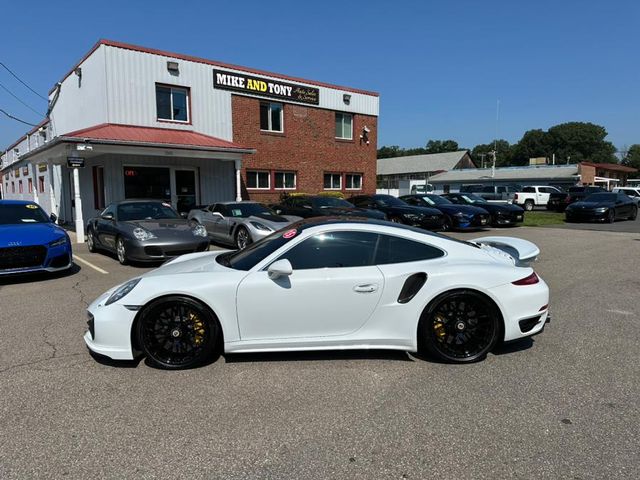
(559, 201)
(501, 214)
(307, 206)
(461, 217)
(401, 212)
(602, 207)
(144, 231)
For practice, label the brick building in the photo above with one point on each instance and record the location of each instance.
(128, 121)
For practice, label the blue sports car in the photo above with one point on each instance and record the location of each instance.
(30, 241)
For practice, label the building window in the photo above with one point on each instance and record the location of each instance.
(353, 181)
(30, 185)
(344, 126)
(172, 103)
(271, 117)
(98, 187)
(13, 187)
(41, 184)
(20, 186)
(285, 180)
(258, 180)
(332, 181)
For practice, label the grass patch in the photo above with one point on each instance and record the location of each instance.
(537, 219)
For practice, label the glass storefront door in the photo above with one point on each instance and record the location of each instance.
(185, 190)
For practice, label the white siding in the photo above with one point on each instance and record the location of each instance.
(82, 104)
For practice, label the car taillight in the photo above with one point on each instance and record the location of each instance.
(530, 280)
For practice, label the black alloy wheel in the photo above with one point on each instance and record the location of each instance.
(528, 205)
(447, 225)
(243, 239)
(177, 332)
(634, 213)
(91, 241)
(611, 217)
(121, 251)
(460, 327)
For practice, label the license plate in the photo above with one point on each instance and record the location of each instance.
(483, 221)
(519, 217)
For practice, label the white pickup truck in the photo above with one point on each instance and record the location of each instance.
(533, 196)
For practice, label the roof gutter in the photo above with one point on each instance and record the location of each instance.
(92, 141)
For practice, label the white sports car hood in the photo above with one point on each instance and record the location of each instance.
(190, 263)
(517, 251)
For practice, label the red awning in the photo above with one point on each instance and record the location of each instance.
(151, 136)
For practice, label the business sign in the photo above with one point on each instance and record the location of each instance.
(265, 87)
(42, 167)
(16, 173)
(75, 162)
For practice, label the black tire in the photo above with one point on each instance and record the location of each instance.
(243, 238)
(447, 225)
(611, 216)
(177, 332)
(121, 251)
(461, 326)
(634, 214)
(91, 241)
(528, 205)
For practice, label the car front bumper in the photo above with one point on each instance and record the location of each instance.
(586, 216)
(157, 250)
(471, 223)
(40, 258)
(109, 329)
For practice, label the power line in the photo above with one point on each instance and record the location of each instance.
(22, 82)
(18, 99)
(17, 119)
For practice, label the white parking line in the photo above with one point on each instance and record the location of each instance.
(88, 264)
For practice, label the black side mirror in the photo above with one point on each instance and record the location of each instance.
(53, 217)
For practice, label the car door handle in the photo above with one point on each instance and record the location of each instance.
(366, 288)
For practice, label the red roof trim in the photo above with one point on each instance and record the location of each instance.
(611, 166)
(189, 58)
(152, 136)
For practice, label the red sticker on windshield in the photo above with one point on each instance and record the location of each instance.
(290, 233)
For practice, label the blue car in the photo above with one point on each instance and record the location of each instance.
(30, 241)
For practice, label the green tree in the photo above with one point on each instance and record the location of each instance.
(504, 153)
(442, 146)
(632, 157)
(534, 143)
(581, 141)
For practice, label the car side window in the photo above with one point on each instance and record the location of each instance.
(530, 190)
(411, 201)
(502, 189)
(221, 209)
(393, 249)
(333, 250)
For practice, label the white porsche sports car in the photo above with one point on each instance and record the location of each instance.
(323, 284)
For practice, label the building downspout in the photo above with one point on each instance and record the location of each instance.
(238, 167)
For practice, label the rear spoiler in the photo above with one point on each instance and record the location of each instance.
(523, 252)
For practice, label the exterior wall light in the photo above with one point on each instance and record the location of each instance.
(173, 68)
(346, 98)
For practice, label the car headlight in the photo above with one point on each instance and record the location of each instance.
(460, 215)
(122, 291)
(601, 210)
(199, 231)
(142, 234)
(58, 242)
(260, 226)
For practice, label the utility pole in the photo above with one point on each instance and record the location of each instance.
(493, 165)
(482, 155)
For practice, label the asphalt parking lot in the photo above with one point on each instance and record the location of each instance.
(563, 405)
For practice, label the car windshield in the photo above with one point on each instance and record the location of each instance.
(25, 213)
(473, 198)
(329, 202)
(388, 201)
(601, 197)
(436, 200)
(128, 212)
(244, 210)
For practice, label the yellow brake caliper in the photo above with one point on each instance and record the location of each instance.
(438, 327)
(198, 328)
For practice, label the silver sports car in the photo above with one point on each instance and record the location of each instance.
(144, 231)
(238, 223)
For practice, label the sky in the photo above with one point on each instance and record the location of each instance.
(441, 67)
